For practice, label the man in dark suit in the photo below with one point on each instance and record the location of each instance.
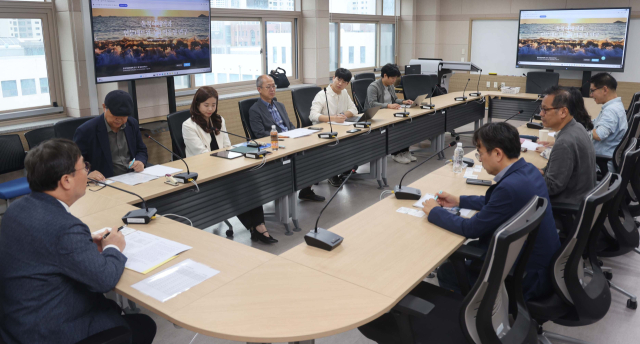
(54, 271)
(517, 181)
(267, 112)
(112, 142)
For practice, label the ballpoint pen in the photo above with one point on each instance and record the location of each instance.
(106, 235)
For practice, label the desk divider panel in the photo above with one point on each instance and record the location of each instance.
(404, 134)
(507, 107)
(228, 196)
(462, 114)
(326, 161)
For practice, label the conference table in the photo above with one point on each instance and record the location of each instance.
(304, 293)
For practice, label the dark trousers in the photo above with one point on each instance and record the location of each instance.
(143, 328)
(252, 218)
(401, 151)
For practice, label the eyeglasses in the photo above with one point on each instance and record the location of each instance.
(478, 157)
(591, 90)
(270, 87)
(87, 167)
(547, 109)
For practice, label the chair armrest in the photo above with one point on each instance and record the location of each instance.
(116, 335)
(565, 208)
(413, 306)
(602, 161)
(458, 259)
(468, 252)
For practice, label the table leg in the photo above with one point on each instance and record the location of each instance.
(383, 171)
(311, 341)
(293, 211)
(282, 213)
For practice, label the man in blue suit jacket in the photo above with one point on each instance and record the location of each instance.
(54, 271)
(112, 140)
(517, 181)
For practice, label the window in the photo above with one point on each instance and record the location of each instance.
(280, 37)
(44, 85)
(181, 82)
(9, 88)
(253, 37)
(333, 54)
(362, 35)
(247, 77)
(222, 78)
(280, 5)
(353, 6)
(234, 77)
(28, 87)
(387, 44)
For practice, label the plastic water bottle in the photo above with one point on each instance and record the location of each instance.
(274, 138)
(458, 154)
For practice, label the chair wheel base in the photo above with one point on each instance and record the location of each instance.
(229, 232)
(608, 275)
(632, 304)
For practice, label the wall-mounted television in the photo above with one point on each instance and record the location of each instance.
(138, 39)
(578, 39)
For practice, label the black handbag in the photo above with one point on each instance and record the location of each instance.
(280, 78)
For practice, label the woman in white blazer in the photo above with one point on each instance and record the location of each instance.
(199, 132)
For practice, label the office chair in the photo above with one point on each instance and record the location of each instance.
(417, 84)
(175, 120)
(244, 106)
(538, 82)
(623, 237)
(302, 99)
(359, 91)
(37, 136)
(364, 76)
(12, 156)
(634, 99)
(116, 335)
(66, 128)
(576, 301)
(430, 314)
(632, 132)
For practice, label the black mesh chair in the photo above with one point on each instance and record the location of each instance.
(634, 99)
(302, 99)
(365, 76)
(66, 128)
(577, 301)
(417, 84)
(244, 106)
(633, 131)
(538, 82)
(430, 314)
(359, 91)
(175, 121)
(116, 335)
(36, 136)
(12, 159)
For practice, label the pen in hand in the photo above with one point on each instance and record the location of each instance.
(106, 235)
(131, 163)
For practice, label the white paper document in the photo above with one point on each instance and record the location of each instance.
(465, 212)
(160, 171)
(133, 178)
(422, 199)
(145, 251)
(125, 230)
(412, 212)
(346, 124)
(528, 144)
(175, 280)
(295, 133)
(477, 168)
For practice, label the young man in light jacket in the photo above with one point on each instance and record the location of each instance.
(382, 93)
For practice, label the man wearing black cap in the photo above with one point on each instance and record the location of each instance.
(112, 142)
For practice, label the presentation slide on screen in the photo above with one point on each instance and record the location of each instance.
(573, 38)
(150, 38)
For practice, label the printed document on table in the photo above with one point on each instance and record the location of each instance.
(424, 197)
(175, 280)
(160, 171)
(295, 133)
(346, 124)
(528, 144)
(146, 251)
(125, 230)
(133, 178)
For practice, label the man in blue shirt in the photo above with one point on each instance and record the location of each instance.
(517, 181)
(611, 124)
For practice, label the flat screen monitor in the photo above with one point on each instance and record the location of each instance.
(579, 39)
(412, 69)
(139, 39)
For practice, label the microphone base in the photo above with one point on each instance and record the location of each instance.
(256, 155)
(530, 137)
(140, 216)
(537, 117)
(184, 177)
(362, 124)
(533, 125)
(323, 239)
(460, 99)
(401, 114)
(428, 106)
(253, 145)
(475, 94)
(406, 192)
(468, 161)
(328, 135)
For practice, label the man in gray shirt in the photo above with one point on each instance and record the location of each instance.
(570, 173)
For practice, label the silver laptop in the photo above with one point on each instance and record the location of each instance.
(416, 103)
(368, 115)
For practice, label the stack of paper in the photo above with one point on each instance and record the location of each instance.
(468, 173)
(530, 145)
(146, 252)
(346, 124)
(160, 170)
(133, 178)
(295, 133)
(463, 212)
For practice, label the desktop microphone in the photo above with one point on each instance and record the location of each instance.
(430, 105)
(259, 154)
(413, 193)
(463, 98)
(332, 134)
(323, 238)
(254, 144)
(514, 115)
(540, 95)
(477, 93)
(180, 177)
(144, 215)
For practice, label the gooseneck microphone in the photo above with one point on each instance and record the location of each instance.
(320, 237)
(180, 177)
(144, 215)
(332, 134)
(250, 142)
(413, 193)
(430, 105)
(463, 98)
(477, 92)
(514, 115)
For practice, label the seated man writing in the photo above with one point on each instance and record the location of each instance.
(498, 146)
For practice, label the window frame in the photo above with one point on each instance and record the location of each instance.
(45, 12)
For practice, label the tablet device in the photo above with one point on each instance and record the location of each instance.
(226, 154)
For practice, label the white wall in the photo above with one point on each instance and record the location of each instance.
(493, 48)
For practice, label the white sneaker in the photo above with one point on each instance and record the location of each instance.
(401, 158)
(411, 157)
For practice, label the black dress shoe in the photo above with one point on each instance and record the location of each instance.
(309, 195)
(255, 236)
(335, 181)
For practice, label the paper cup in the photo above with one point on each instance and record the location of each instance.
(543, 135)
